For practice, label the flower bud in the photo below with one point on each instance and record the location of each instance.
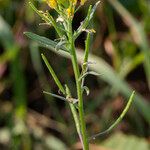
(70, 12)
(52, 3)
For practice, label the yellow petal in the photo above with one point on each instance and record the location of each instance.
(52, 3)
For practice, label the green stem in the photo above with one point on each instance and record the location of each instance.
(75, 115)
(78, 86)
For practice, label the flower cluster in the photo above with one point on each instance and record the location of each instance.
(68, 5)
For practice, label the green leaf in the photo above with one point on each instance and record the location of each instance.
(113, 79)
(53, 74)
(47, 43)
(117, 121)
(56, 96)
(87, 48)
(86, 21)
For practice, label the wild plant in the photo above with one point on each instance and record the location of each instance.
(63, 26)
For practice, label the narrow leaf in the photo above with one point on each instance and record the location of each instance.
(113, 79)
(87, 48)
(53, 74)
(56, 96)
(86, 21)
(117, 121)
(44, 41)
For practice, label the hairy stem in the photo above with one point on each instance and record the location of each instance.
(78, 86)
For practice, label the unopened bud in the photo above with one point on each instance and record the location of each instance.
(52, 3)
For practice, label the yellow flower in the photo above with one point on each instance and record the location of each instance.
(52, 3)
(82, 2)
(70, 12)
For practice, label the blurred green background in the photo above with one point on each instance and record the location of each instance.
(120, 52)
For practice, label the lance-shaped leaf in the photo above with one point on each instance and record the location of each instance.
(86, 21)
(118, 120)
(112, 78)
(43, 41)
(69, 100)
(87, 48)
(53, 75)
(56, 96)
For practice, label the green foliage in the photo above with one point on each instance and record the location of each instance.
(107, 74)
(45, 41)
(117, 121)
(116, 54)
(79, 77)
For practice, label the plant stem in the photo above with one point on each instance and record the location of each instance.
(75, 115)
(76, 120)
(78, 86)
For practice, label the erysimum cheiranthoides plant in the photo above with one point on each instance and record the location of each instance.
(63, 26)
